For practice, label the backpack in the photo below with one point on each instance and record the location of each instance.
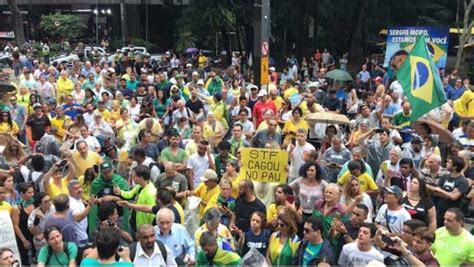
(50, 253)
(133, 250)
(36, 184)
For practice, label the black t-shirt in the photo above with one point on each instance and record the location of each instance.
(38, 126)
(448, 184)
(243, 211)
(420, 210)
(194, 106)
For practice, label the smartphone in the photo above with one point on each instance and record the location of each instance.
(62, 163)
(387, 240)
(225, 204)
(290, 199)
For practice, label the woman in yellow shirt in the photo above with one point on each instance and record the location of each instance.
(58, 185)
(293, 124)
(283, 196)
(8, 125)
(232, 174)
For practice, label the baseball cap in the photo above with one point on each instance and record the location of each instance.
(189, 65)
(397, 191)
(105, 167)
(262, 92)
(195, 73)
(200, 82)
(417, 140)
(36, 105)
(209, 175)
(272, 68)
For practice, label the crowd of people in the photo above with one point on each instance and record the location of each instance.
(129, 163)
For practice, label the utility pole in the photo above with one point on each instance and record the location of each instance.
(261, 47)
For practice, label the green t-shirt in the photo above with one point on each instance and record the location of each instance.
(166, 155)
(401, 120)
(58, 259)
(453, 250)
(94, 262)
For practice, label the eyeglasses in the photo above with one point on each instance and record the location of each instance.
(272, 124)
(281, 225)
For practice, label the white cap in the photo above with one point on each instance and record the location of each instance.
(200, 82)
(262, 92)
(272, 69)
(189, 65)
(195, 73)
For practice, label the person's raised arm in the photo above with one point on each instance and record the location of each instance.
(71, 174)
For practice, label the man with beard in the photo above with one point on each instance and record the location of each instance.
(246, 204)
(198, 163)
(102, 189)
(414, 151)
(212, 255)
(149, 251)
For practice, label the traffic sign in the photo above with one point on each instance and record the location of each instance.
(264, 48)
(264, 71)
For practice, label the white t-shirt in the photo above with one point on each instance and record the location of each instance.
(393, 218)
(198, 165)
(80, 227)
(351, 255)
(297, 159)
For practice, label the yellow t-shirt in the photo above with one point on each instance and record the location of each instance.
(64, 87)
(365, 181)
(53, 190)
(5, 128)
(272, 211)
(464, 105)
(60, 123)
(278, 102)
(180, 211)
(191, 147)
(290, 92)
(5, 206)
(290, 127)
(105, 114)
(223, 234)
(205, 194)
(23, 100)
(82, 164)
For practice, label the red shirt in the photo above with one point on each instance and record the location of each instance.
(260, 108)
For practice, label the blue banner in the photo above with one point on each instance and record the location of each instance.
(405, 38)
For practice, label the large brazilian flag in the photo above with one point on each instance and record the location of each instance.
(420, 80)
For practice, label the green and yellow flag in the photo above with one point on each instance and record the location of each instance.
(420, 80)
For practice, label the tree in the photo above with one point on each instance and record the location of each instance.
(17, 23)
(465, 34)
(62, 26)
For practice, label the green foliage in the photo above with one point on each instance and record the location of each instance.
(62, 26)
(186, 39)
(141, 42)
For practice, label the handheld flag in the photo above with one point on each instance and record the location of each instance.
(420, 80)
